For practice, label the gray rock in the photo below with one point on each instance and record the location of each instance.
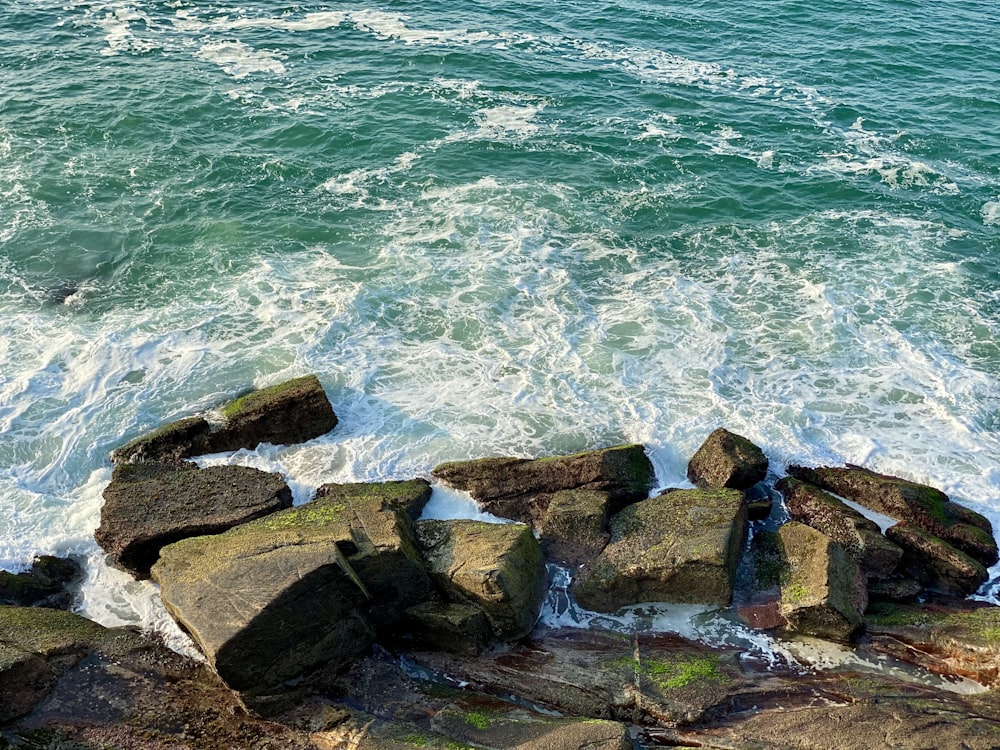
(273, 604)
(727, 460)
(457, 628)
(573, 528)
(521, 488)
(147, 506)
(497, 567)
(682, 546)
(822, 589)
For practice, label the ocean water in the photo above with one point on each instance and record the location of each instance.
(503, 229)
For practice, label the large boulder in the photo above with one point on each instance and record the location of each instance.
(682, 546)
(294, 597)
(936, 564)
(147, 506)
(291, 412)
(823, 592)
(916, 504)
(573, 528)
(44, 585)
(521, 488)
(860, 537)
(375, 534)
(497, 567)
(727, 460)
(272, 603)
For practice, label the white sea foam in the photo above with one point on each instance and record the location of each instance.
(991, 213)
(239, 60)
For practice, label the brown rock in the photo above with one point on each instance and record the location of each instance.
(681, 546)
(935, 563)
(573, 528)
(727, 460)
(147, 506)
(521, 489)
(822, 590)
(497, 567)
(861, 538)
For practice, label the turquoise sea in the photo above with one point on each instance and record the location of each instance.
(502, 228)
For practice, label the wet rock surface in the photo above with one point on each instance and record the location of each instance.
(46, 584)
(728, 460)
(521, 489)
(681, 546)
(291, 412)
(147, 506)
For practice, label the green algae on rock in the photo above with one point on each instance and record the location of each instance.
(682, 546)
(728, 460)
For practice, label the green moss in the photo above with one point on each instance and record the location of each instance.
(316, 513)
(477, 719)
(795, 593)
(983, 622)
(46, 631)
(674, 671)
(255, 399)
(676, 674)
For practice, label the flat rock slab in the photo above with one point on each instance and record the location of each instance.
(682, 546)
(285, 414)
(860, 537)
(729, 460)
(147, 506)
(822, 590)
(959, 638)
(521, 488)
(497, 567)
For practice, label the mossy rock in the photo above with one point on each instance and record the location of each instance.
(860, 537)
(728, 460)
(573, 528)
(497, 567)
(681, 546)
(823, 592)
(521, 489)
(502, 729)
(169, 443)
(917, 505)
(938, 565)
(45, 585)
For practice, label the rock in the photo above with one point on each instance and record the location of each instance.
(936, 564)
(83, 686)
(898, 588)
(860, 537)
(521, 489)
(573, 528)
(917, 504)
(375, 534)
(760, 501)
(513, 728)
(169, 443)
(273, 604)
(291, 412)
(458, 628)
(681, 546)
(45, 585)
(285, 414)
(147, 506)
(497, 567)
(727, 460)
(957, 638)
(822, 589)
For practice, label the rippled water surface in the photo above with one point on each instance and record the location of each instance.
(503, 228)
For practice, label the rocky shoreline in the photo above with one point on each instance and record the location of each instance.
(350, 622)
